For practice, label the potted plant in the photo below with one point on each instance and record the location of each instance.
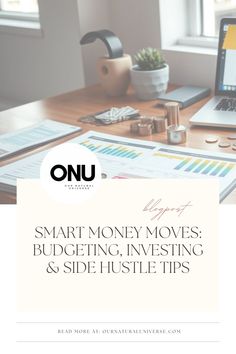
(150, 75)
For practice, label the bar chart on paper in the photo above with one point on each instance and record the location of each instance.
(131, 158)
(197, 163)
(113, 150)
(124, 149)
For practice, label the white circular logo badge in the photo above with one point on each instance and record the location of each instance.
(70, 173)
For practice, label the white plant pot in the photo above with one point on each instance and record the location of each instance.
(149, 85)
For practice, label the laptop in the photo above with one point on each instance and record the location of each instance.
(220, 111)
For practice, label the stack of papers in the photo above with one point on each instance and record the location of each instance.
(39, 134)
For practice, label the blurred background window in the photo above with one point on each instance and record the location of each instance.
(22, 6)
(212, 13)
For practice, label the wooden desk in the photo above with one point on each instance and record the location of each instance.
(70, 106)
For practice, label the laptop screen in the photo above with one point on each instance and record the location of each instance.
(227, 63)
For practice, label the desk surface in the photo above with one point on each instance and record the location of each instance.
(70, 106)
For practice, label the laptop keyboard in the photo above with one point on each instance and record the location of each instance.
(226, 104)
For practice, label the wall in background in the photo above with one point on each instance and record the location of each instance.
(93, 15)
(36, 67)
(136, 23)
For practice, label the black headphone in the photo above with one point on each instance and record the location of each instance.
(111, 41)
